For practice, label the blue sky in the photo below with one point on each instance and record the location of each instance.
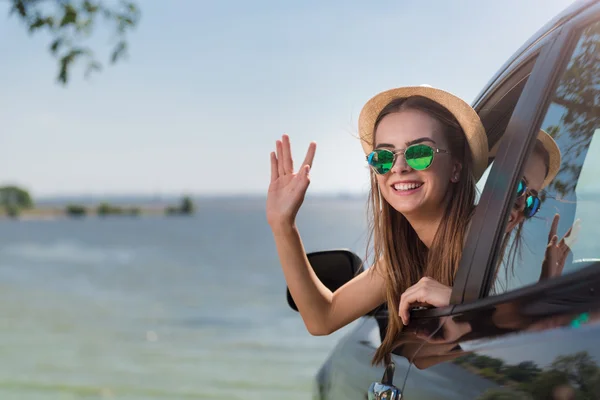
(209, 86)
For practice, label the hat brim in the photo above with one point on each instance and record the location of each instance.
(463, 112)
(554, 156)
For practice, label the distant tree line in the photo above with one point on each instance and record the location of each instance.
(14, 200)
(186, 207)
(102, 210)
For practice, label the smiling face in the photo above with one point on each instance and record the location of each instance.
(407, 190)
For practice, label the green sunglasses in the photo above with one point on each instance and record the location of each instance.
(418, 156)
(532, 202)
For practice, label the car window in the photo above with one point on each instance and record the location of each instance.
(497, 112)
(481, 183)
(573, 122)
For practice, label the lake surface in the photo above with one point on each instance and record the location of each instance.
(181, 307)
(161, 308)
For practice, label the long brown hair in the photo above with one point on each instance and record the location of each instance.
(400, 256)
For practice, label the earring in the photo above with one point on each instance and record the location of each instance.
(455, 178)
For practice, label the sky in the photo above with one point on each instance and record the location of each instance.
(208, 87)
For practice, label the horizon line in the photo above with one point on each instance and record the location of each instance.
(184, 193)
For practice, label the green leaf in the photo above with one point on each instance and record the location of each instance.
(84, 25)
(19, 7)
(55, 45)
(90, 7)
(38, 23)
(73, 21)
(70, 16)
(119, 51)
(66, 61)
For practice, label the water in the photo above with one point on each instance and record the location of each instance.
(161, 308)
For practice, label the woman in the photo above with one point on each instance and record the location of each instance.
(540, 169)
(427, 148)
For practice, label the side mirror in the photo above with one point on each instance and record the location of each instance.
(333, 267)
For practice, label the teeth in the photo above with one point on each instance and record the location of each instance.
(406, 186)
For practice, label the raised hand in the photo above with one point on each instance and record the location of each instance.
(287, 188)
(556, 252)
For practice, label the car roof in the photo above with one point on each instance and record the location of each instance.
(574, 9)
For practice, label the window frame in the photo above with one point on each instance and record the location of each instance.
(483, 240)
(475, 275)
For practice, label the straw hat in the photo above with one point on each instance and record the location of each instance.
(463, 112)
(554, 156)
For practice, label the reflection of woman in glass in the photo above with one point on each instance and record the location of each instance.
(540, 169)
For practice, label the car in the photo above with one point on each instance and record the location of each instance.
(509, 335)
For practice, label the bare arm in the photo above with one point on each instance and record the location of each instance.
(322, 311)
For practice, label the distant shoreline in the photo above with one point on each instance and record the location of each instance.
(145, 200)
(59, 212)
(50, 209)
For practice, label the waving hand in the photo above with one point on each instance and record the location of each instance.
(287, 188)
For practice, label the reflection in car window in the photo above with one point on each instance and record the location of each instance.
(573, 121)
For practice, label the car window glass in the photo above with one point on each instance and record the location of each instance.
(481, 183)
(573, 122)
(496, 115)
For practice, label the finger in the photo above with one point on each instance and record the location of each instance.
(409, 292)
(403, 310)
(310, 154)
(552, 242)
(412, 295)
(571, 238)
(274, 172)
(552, 252)
(562, 256)
(553, 227)
(302, 178)
(288, 163)
(305, 171)
(280, 168)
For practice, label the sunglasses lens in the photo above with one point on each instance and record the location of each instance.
(381, 160)
(521, 189)
(419, 156)
(532, 206)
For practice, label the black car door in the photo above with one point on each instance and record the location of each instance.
(513, 332)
